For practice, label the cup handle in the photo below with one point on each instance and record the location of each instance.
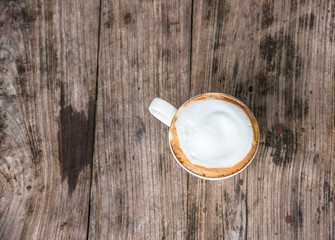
(162, 110)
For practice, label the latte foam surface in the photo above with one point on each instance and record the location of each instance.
(213, 133)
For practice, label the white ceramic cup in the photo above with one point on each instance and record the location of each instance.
(165, 112)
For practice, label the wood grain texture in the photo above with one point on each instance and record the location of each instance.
(139, 191)
(278, 57)
(48, 56)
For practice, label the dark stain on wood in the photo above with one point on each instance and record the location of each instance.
(260, 112)
(49, 15)
(298, 108)
(293, 64)
(222, 9)
(21, 75)
(300, 216)
(192, 219)
(316, 158)
(162, 165)
(118, 160)
(22, 80)
(284, 145)
(265, 84)
(28, 187)
(21, 69)
(251, 89)
(110, 19)
(280, 128)
(218, 210)
(208, 14)
(7, 97)
(216, 232)
(34, 146)
(62, 225)
(29, 207)
(268, 50)
(332, 23)
(303, 20)
(118, 211)
(267, 15)
(2, 194)
(278, 48)
(30, 16)
(116, 123)
(235, 70)
(166, 54)
(222, 79)
(127, 18)
(237, 191)
(209, 9)
(215, 65)
(51, 63)
(311, 21)
(296, 214)
(226, 197)
(23, 231)
(243, 196)
(140, 129)
(239, 91)
(163, 228)
(293, 6)
(3, 126)
(75, 141)
(220, 42)
(307, 20)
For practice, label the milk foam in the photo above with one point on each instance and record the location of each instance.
(213, 133)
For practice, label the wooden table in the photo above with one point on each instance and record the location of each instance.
(81, 157)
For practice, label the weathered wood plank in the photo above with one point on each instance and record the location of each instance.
(139, 190)
(48, 56)
(278, 57)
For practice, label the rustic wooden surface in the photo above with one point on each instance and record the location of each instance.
(48, 65)
(81, 158)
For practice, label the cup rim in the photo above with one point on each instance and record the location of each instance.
(218, 178)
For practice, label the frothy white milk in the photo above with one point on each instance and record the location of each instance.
(213, 133)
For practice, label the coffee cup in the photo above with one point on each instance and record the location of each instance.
(212, 136)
